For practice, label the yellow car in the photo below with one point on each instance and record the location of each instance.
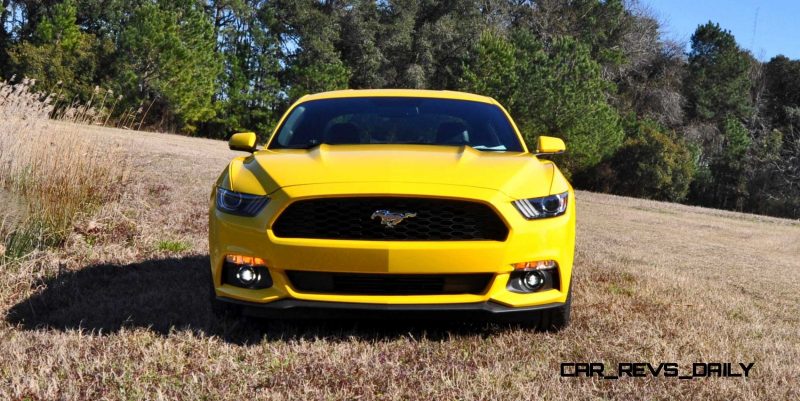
(385, 202)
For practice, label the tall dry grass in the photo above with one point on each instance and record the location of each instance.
(55, 175)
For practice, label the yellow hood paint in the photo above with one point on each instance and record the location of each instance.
(518, 175)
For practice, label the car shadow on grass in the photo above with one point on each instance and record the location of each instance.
(172, 294)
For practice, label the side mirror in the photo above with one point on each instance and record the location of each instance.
(244, 141)
(548, 145)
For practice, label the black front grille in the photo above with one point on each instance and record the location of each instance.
(355, 218)
(389, 284)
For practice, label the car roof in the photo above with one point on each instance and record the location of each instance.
(422, 93)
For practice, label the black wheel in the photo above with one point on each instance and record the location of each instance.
(553, 319)
(222, 309)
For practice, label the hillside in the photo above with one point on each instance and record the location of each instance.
(120, 311)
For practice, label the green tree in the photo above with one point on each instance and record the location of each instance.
(653, 164)
(774, 185)
(556, 91)
(61, 26)
(248, 96)
(169, 64)
(728, 167)
(359, 44)
(782, 88)
(718, 82)
(600, 24)
(495, 71)
(63, 59)
(440, 38)
(5, 13)
(562, 93)
(718, 93)
(309, 30)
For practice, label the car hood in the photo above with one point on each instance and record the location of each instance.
(516, 174)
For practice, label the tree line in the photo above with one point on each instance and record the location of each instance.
(642, 116)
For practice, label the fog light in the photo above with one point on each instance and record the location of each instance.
(533, 280)
(246, 272)
(247, 275)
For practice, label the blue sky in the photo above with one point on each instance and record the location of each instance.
(777, 28)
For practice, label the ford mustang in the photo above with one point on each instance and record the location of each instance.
(390, 202)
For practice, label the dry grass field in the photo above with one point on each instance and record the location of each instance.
(118, 311)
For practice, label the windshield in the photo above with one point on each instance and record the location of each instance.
(397, 120)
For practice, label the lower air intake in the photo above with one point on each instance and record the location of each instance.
(389, 284)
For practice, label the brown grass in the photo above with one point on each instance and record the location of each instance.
(115, 314)
(56, 175)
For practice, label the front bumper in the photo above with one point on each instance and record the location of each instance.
(546, 239)
(300, 309)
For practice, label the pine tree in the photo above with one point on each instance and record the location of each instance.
(169, 61)
(248, 96)
(556, 91)
(718, 82)
(59, 56)
(718, 89)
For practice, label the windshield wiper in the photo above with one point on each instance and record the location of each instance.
(498, 148)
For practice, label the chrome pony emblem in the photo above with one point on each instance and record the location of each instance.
(390, 218)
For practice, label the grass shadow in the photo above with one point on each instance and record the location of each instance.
(169, 294)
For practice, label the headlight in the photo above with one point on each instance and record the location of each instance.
(240, 204)
(539, 208)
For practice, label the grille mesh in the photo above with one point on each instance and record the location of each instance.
(389, 284)
(352, 218)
